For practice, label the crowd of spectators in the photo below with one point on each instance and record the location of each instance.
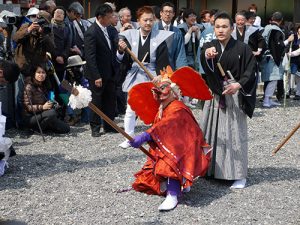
(49, 45)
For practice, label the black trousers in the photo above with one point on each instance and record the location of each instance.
(48, 121)
(105, 99)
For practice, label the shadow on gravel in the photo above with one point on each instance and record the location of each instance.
(205, 191)
(272, 174)
(25, 167)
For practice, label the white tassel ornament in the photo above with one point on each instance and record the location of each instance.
(82, 100)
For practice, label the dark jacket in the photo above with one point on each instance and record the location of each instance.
(36, 93)
(32, 48)
(101, 60)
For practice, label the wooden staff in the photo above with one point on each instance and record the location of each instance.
(75, 92)
(285, 140)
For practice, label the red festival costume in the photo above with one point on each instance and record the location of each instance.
(177, 140)
(178, 148)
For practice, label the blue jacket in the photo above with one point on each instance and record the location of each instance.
(177, 56)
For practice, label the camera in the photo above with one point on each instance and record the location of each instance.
(10, 19)
(44, 25)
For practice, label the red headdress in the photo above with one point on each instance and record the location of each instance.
(190, 82)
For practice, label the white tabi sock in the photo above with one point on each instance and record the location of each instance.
(124, 144)
(238, 184)
(169, 203)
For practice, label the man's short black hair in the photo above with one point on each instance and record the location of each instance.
(10, 70)
(224, 15)
(188, 12)
(103, 10)
(169, 4)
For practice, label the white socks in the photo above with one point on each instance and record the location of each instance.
(169, 203)
(238, 184)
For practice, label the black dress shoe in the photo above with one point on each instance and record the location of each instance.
(96, 134)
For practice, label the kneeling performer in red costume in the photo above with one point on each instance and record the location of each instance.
(175, 138)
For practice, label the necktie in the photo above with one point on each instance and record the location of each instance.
(166, 27)
(106, 36)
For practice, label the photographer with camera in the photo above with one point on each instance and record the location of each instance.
(38, 107)
(33, 41)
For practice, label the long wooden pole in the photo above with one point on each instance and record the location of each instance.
(117, 128)
(285, 140)
(75, 92)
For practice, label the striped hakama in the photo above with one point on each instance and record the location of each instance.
(226, 131)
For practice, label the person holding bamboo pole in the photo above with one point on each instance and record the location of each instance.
(151, 49)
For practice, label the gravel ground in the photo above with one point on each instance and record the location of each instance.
(75, 179)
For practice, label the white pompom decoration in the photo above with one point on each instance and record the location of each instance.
(82, 99)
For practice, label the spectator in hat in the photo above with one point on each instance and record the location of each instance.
(32, 14)
(74, 75)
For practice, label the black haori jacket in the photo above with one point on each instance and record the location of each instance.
(238, 58)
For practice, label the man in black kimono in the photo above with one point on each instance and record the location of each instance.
(225, 117)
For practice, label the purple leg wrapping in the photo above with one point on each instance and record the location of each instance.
(173, 187)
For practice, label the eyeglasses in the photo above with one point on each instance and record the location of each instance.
(192, 16)
(168, 12)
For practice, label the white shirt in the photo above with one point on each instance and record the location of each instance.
(104, 29)
(165, 26)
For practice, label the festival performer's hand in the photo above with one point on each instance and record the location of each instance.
(211, 53)
(231, 88)
(122, 46)
(138, 140)
(98, 83)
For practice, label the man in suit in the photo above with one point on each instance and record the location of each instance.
(176, 48)
(100, 42)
